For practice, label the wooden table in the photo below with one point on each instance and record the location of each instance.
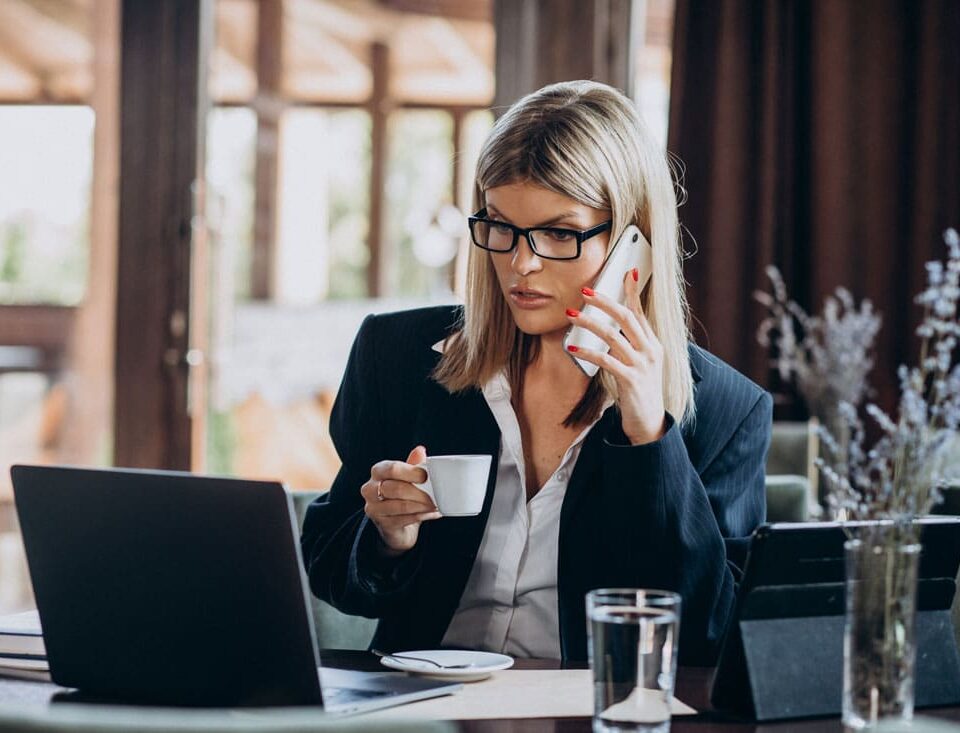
(693, 688)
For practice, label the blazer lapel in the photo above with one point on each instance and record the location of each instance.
(587, 467)
(454, 424)
(459, 424)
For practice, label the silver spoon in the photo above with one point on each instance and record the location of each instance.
(438, 665)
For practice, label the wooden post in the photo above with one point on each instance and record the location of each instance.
(456, 186)
(85, 433)
(544, 41)
(269, 108)
(377, 281)
(164, 49)
(457, 197)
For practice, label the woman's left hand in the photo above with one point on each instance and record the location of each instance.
(635, 360)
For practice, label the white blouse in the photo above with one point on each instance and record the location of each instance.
(510, 602)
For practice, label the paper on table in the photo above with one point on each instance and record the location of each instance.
(514, 693)
(640, 706)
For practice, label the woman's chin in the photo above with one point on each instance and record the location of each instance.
(540, 324)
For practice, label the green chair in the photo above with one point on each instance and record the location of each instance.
(335, 630)
(791, 444)
(793, 449)
(787, 498)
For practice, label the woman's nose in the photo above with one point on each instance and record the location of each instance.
(525, 260)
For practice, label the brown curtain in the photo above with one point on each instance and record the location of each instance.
(824, 137)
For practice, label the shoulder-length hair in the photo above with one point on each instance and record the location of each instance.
(584, 140)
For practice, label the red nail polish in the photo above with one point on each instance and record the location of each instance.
(587, 291)
(571, 347)
(572, 312)
(636, 275)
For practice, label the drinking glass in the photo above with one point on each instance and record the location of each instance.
(632, 635)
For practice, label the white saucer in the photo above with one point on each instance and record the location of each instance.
(483, 664)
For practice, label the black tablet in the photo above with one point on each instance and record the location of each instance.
(783, 653)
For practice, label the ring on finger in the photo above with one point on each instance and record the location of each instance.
(380, 496)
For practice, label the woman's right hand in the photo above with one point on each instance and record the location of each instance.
(395, 505)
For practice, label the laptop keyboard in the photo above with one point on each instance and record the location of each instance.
(333, 694)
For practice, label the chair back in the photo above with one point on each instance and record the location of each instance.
(335, 630)
(787, 497)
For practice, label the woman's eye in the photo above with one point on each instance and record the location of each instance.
(560, 235)
(501, 228)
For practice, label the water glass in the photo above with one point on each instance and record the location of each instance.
(632, 635)
(879, 637)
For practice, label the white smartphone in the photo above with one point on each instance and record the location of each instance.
(631, 250)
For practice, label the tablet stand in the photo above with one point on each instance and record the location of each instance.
(787, 661)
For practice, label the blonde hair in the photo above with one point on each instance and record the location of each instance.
(586, 141)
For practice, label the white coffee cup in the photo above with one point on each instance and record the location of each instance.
(457, 484)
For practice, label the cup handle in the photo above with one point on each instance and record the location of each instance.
(426, 487)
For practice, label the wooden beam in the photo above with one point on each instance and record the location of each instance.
(377, 281)
(544, 41)
(45, 99)
(319, 44)
(164, 50)
(45, 326)
(234, 22)
(457, 117)
(269, 108)
(76, 17)
(88, 420)
(457, 188)
(18, 81)
(394, 105)
(39, 42)
(20, 65)
(451, 46)
(360, 24)
(477, 10)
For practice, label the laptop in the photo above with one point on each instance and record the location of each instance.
(170, 588)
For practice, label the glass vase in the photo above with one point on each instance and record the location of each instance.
(879, 646)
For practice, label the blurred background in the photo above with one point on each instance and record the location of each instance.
(201, 199)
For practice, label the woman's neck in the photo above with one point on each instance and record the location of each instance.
(554, 366)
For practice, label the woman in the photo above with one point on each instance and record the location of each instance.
(649, 474)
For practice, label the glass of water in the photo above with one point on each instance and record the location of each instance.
(632, 636)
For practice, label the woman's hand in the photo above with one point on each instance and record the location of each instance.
(635, 360)
(395, 505)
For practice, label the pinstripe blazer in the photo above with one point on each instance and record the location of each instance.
(675, 514)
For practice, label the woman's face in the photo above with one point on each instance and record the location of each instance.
(540, 290)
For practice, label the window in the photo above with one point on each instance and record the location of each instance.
(46, 155)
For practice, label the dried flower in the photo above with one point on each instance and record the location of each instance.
(900, 476)
(830, 360)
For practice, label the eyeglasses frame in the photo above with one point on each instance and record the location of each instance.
(581, 236)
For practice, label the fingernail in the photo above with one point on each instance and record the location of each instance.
(573, 312)
(587, 291)
(636, 275)
(571, 347)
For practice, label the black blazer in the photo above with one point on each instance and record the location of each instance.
(674, 514)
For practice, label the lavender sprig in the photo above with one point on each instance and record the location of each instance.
(900, 476)
(830, 361)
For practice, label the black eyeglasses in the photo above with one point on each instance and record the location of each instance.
(550, 243)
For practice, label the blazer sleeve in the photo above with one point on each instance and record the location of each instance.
(340, 545)
(688, 529)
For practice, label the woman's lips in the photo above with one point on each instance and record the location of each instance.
(529, 299)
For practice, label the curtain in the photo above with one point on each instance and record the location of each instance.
(822, 137)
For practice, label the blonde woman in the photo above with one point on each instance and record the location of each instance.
(650, 474)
